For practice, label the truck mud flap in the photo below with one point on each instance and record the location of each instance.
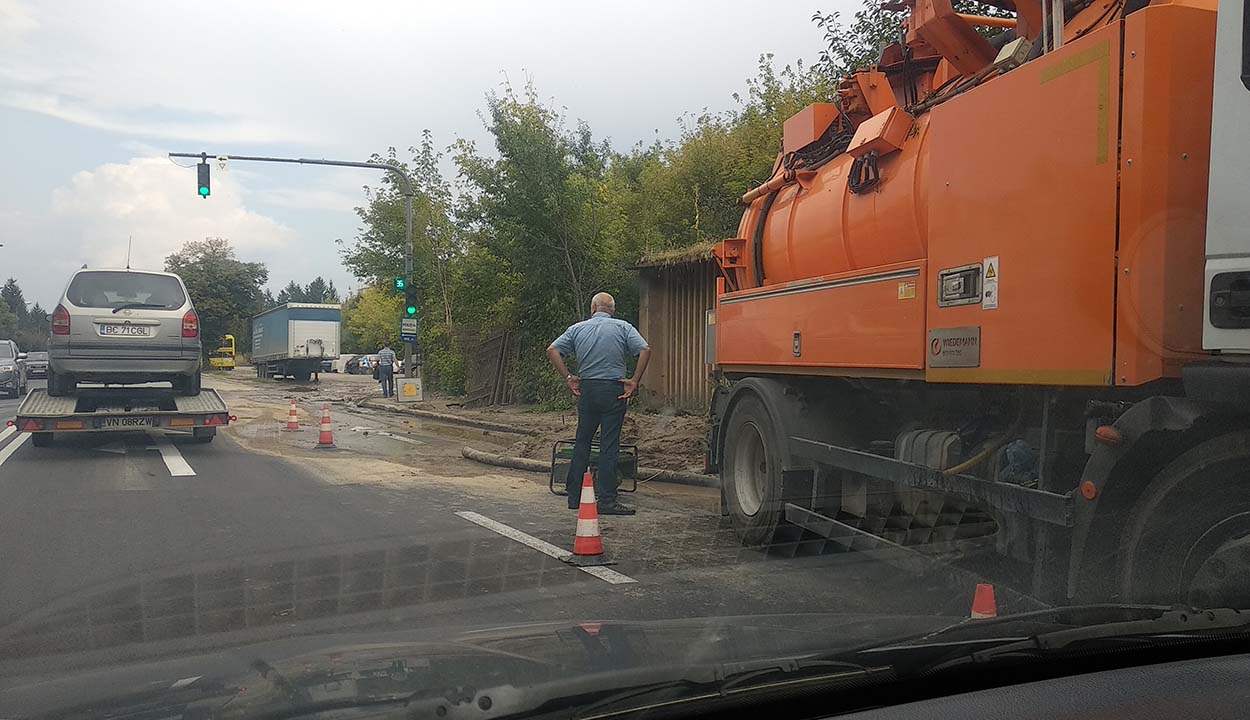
(1047, 507)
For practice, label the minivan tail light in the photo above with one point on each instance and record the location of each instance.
(60, 321)
(190, 325)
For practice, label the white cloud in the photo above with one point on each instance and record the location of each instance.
(154, 201)
(16, 18)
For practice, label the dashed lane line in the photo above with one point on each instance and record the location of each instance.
(178, 466)
(605, 574)
(7, 451)
(7, 431)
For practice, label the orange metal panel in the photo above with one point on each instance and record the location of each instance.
(883, 133)
(1037, 189)
(1163, 190)
(868, 319)
(807, 126)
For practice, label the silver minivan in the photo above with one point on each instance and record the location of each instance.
(124, 327)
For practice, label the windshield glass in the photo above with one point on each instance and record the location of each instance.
(562, 358)
(115, 289)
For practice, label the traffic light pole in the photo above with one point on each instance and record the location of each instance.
(411, 350)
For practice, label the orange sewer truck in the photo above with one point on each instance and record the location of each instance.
(998, 294)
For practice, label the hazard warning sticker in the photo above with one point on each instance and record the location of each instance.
(989, 283)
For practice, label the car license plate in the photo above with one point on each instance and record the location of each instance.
(116, 423)
(126, 330)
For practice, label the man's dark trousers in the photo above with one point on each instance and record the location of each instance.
(386, 375)
(600, 407)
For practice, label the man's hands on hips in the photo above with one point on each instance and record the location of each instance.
(575, 384)
(630, 385)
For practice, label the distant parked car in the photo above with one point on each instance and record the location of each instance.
(327, 366)
(36, 365)
(124, 327)
(362, 364)
(12, 369)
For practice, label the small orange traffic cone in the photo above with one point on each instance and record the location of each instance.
(292, 421)
(983, 605)
(326, 438)
(587, 540)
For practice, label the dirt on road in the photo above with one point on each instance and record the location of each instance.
(668, 441)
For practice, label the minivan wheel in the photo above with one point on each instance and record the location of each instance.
(60, 385)
(188, 384)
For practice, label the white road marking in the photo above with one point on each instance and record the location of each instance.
(7, 431)
(7, 451)
(605, 574)
(178, 467)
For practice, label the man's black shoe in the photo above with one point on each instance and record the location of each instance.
(616, 509)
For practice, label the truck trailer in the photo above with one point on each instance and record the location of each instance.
(997, 294)
(292, 339)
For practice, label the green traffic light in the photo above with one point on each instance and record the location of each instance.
(203, 191)
(411, 309)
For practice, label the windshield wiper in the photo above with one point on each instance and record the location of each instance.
(731, 683)
(1175, 624)
(132, 306)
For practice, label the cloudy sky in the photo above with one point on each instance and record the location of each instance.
(94, 94)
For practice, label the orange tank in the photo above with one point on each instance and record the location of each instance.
(1030, 218)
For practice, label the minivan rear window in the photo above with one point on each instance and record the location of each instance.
(108, 289)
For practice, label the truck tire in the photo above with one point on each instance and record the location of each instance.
(60, 385)
(41, 439)
(203, 435)
(188, 385)
(751, 475)
(301, 375)
(1187, 539)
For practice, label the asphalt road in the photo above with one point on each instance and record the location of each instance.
(122, 547)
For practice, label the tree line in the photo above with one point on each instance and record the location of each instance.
(28, 326)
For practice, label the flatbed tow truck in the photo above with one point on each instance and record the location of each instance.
(122, 409)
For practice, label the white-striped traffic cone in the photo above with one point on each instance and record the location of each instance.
(326, 438)
(292, 420)
(587, 541)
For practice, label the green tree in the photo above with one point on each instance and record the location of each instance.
(33, 333)
(373, 319)
(8, 323)
(225, 290)
(13, 298)
(292, 293)
(440, 251)
(320, 291)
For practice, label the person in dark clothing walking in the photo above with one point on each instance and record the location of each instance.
(602, 344)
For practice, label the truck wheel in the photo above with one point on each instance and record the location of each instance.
(41, 439)
(301, 375)
(751, 474)
(1187, 540)
(203, 435)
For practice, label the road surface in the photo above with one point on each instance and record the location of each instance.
(125, 546)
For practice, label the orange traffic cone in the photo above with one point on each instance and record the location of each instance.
(983, 605)
(326, 438)
(587, 540)
(292, 421)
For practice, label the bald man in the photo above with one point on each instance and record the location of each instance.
(602, 345)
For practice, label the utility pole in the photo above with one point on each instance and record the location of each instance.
(411, 350)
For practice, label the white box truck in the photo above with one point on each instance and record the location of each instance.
(293, 339)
